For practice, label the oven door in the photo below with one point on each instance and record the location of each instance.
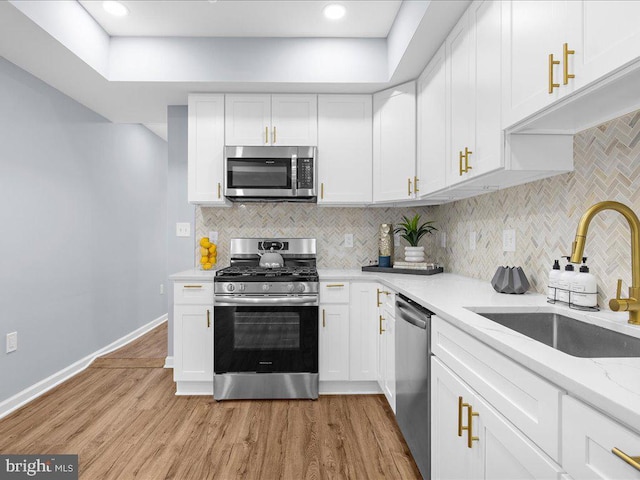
(255, 335)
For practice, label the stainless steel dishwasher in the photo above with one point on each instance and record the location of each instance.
(413, 377)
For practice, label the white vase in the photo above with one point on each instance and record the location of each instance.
(414, 254)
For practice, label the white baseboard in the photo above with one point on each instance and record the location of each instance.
(194, 388)
(34, 391)
(168, 362)
(349, 388)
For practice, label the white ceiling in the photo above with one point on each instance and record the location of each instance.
(134, 77)
(257, 18)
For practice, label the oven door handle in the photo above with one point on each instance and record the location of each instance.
(265, 300)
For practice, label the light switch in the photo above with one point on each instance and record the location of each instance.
(12, 342)
(348, 240)
(443, 239)
(183, 229)
(509, 240)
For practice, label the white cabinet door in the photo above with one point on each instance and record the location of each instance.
(471, 440)
(345, 149)
(363, 332)
(610, 35)
(193, 343)
(532, 30)
(432, 142)
(248, 120)
(294, 120)
(206, 149)
(334, 342)
(389, 384)
(588, 438)
(394, 143)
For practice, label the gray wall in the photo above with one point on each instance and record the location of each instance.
(180, 249)
(83, 211)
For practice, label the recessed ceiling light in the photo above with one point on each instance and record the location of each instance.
(334, 11)
(115, 8)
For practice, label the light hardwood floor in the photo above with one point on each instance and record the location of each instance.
(122, 418)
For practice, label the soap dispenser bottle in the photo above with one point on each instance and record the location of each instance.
(584, 287)
(564, 282)
(554, 277)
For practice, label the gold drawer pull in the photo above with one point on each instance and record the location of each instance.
(335, 285)
(208, 318)
(381, 329)
(193, 286)
(552, 62)
(633, 461)
(323, 318)
(460, 407)
(470, 437)
(565, 67)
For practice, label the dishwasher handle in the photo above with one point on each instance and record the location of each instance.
(406, 312)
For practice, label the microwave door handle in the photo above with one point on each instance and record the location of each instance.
(294, 174)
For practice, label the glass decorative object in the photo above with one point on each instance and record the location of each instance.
(385, 245)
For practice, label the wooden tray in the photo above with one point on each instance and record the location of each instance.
(410, 271)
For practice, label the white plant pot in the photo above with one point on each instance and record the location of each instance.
(414, 254)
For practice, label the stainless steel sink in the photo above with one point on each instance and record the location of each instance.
(569, 335)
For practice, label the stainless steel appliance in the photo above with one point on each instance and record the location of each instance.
(413, 392)
(270, 173)
(266, 322)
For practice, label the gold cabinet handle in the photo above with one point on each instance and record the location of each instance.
(633, 461)
(409, 186)
(461, 405)
(208, 318)
(470, 437)
(219, 187)
(378, 292)
(266, 135)
(192, 286)
(565, 67)
(380, 322)
(552, 62)
(324, 317)
(467, 167)
(335, 285)
(461, 158)
(322, 191)
(415, 184)
(274, 135)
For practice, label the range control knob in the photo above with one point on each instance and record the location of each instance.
(231, 287)
(265, 287)
(290, 287)
(301, 287)
(241, 287)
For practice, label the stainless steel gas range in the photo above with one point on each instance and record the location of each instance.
(266, 321)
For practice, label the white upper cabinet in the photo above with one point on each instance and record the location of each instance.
(609, 36)
(394, 143)
(206, 149)
(345, 149)
(278, 120)
(432, 142)
(534, 33)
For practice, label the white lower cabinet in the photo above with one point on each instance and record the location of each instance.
(193, 338)
(333, 354)
(588, 441)
(471, 440)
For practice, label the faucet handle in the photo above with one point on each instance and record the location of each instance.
(619, 289)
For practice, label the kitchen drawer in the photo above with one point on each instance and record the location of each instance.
(529, 402)
(588, 438)
(334, 292)
(193, 293)
(389, 302)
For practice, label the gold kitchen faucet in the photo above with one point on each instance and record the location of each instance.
(631, 304)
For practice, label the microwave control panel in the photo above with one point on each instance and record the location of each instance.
(305, 173)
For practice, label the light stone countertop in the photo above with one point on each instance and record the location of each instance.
(194, 275)
(609, 384)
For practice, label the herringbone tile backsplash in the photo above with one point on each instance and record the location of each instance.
(326, 224)
(545, 214)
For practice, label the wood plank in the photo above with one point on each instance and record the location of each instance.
(128, 423)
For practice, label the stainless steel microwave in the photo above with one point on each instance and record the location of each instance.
(270, 173)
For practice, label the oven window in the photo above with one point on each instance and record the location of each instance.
(259, 173)
(266, 331)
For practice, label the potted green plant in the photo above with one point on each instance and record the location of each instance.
(412, 233)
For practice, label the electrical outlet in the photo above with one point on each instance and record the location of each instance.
(12, 342)
(472, 240)
(213, 237)
(509, 240)
(443, 239)
(162, 289)
(348, 240)
(183, 229)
